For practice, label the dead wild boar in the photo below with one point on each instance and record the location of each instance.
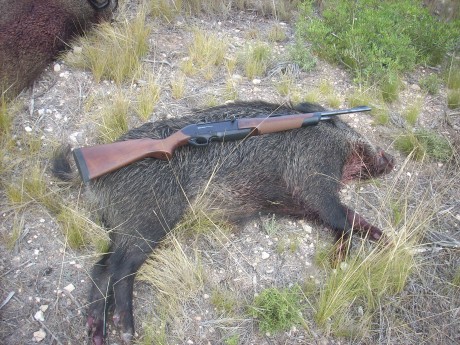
(33, 32)
(297, 173)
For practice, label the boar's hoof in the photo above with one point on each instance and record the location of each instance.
(96, 328)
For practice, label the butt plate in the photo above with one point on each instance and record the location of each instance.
(81, 165)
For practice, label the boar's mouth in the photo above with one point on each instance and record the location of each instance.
(361, 166)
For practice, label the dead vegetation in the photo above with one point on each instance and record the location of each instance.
(201, 284)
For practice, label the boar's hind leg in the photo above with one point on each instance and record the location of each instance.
(126, 261)
(100, 298)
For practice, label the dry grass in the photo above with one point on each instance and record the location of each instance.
(112, 121)
(113, 51)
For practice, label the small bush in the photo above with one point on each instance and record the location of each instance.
(277, 309)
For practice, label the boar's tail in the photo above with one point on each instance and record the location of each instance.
(61, 166)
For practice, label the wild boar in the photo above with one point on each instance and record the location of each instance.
(296, 173)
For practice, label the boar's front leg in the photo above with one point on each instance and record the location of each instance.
(363, 226)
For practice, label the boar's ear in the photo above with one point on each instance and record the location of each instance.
(308, 107)
(102, 4)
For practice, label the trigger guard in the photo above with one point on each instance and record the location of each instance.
(199, 141)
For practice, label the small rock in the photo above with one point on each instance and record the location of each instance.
(44, 307)
(69, 288)
(39, 316)
(360, 311)
(77, 50)
(57, 67)
(28, 129)
(415, 87)
(265, 255)
(307, 228)
(205, 296)
(343, 266)
(39, 335)
(256, 81)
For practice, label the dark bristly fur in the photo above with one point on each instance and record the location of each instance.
(294, 173)
(33, 32)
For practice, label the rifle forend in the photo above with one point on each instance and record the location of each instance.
(95, 161)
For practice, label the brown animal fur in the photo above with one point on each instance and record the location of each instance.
(33, 32)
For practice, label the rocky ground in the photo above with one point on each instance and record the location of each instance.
(44, 282)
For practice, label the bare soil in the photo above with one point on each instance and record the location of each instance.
(42, 270)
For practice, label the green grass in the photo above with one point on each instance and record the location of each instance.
(277, 309)
(423, 143)
(453, 99)
(233, 340)
(300, 54)
(270, 226)
(206, 52)
(113, 119)
(412, 113)
(376, 40)
(224, 301)
(431, 84)
(147, 98)
(178, 86)
(453, 77)
(113, 51)
(276, 33)
(255, 60)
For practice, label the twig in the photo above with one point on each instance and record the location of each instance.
(14, 268)
(7, 299)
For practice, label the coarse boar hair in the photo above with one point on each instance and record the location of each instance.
(295, 173)
(33, 32)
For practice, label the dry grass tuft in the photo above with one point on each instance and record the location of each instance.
(112, 52)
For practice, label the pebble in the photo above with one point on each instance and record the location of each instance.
(39, 316)
(265, 255)
(57, 67)
(256, 81)
(69, 288)
(39, 335)
(28, 129)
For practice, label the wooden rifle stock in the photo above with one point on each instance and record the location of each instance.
(95, 161)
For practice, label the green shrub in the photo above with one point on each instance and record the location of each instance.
(277, 309)
(374, 38)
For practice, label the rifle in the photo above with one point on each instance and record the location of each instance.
(95, 161)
